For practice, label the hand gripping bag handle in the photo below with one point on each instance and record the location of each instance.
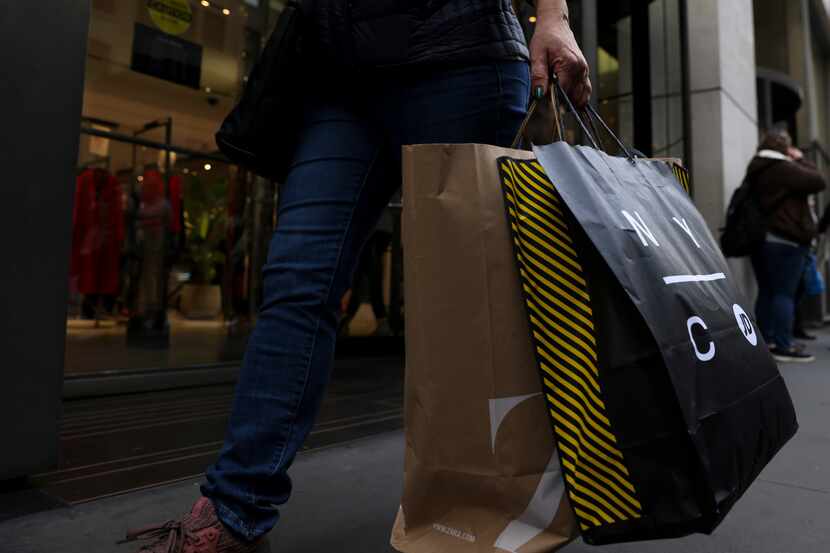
(591, 116)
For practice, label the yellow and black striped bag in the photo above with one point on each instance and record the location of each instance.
(663, 399)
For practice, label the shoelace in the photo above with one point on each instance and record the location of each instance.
(167, 534)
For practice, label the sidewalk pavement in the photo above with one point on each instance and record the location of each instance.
(345, 498)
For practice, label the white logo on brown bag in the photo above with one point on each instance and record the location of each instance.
(544, 504)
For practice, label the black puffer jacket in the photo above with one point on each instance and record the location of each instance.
(363, 34)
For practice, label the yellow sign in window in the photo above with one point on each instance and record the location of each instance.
(171, 16)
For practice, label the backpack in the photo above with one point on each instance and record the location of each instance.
(746, 221)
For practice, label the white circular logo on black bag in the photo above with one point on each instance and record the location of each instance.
(745, 324)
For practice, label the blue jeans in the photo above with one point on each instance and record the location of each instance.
(346, 168)
(778, 270)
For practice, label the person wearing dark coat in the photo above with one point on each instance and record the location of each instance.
(379, 74)
(783, 181)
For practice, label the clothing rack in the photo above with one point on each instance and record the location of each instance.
(135, 140)
(161, 332)
(95, 162)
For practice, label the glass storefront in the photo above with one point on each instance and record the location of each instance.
(640, 70)
(168, 237)
(635, 48)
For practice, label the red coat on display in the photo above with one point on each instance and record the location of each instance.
(97, 233)
(176, 200)
(154, 203)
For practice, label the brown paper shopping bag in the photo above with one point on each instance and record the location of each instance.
(482, 473)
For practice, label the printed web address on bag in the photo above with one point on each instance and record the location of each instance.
(559, 308)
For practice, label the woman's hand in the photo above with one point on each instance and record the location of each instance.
(795, 154)
(553, 50)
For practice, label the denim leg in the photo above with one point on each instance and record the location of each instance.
(331, 199)
(785, 268)
(763, 305)
(479, 104)
(343, 176)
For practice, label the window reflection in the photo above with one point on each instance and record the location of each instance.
(169, 239)
(619, 53)
(167, 236)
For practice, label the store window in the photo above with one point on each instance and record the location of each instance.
(169, 238)
(635, 48)
(158, 273)
(640, 74)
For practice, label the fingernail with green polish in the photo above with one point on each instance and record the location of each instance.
(538, 92)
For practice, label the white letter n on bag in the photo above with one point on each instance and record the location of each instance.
(643, 231)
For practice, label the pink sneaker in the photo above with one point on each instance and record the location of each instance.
(197, 532)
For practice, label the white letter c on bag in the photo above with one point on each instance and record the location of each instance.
(703, 356)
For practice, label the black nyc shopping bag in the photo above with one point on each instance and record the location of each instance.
(663, 397)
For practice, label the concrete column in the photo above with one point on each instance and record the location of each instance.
(625, 83)
(666, 79)
(42, 55)
(590, 41)
(724, 106)
(809, 74)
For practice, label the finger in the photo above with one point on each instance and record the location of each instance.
(578, 96)
(577, 88)
(589, 89)
(568, 78)
(565, 80)
(572, 71)
(584, 93)
(539, 72)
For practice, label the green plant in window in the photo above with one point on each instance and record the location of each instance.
(205, 219)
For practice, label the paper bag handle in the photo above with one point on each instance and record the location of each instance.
(554, 93)
(531, 110)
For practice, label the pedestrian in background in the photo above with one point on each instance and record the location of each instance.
(784, 181)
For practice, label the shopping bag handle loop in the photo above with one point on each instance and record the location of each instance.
(531, 110)
(594, 135)
(559, 125)
(575, 112)
(590, 116)
(593, 115)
